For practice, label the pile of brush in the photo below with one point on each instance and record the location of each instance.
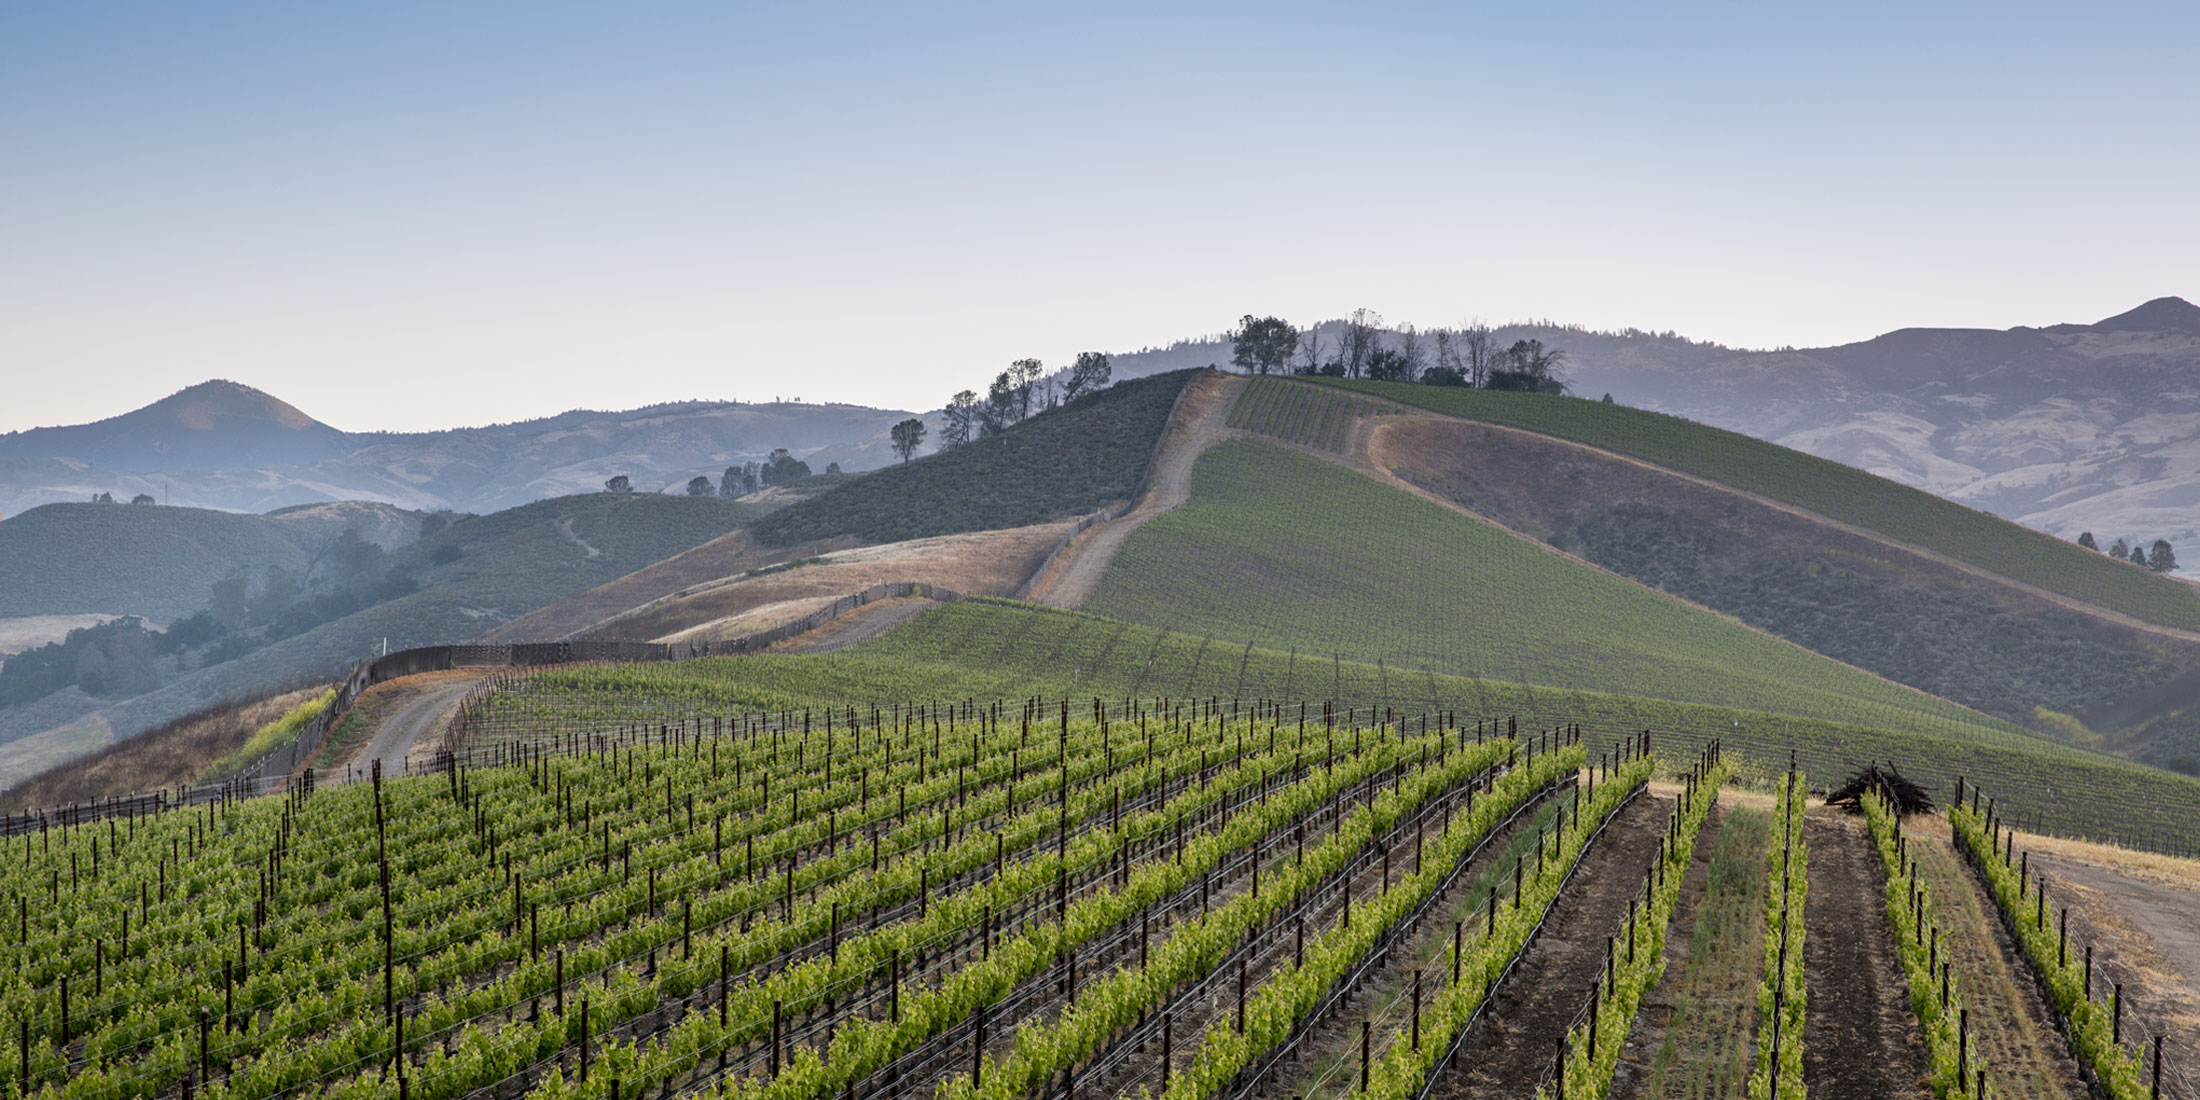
(1906, 797)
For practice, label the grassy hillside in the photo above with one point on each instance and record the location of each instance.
(1908, 616)
(135, 559)
(1285, 550)
(985, 650)
(1829, 488)
(1060, 463)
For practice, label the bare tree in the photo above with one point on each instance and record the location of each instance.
(1358, 340)
(1410, 350)
(1478, 352)
(1310, 352)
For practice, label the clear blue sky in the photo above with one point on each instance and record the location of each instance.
(414, 216)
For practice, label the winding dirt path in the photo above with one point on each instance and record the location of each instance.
(1201, 421)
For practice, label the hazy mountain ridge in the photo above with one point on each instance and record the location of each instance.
(2066, 428)
(229, 446)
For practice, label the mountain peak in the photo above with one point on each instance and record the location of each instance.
(214, 425)
(208, 405)
(2161, 314)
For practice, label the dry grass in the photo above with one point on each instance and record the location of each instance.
(163, 757)
(988, 563)
(721, 557)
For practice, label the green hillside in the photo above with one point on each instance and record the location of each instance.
(149, 560)
(1829, 488)
(1285, 550)
(987, 649)
(1063, 462)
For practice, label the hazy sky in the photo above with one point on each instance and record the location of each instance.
(414, 216)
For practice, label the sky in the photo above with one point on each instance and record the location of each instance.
(412, 216)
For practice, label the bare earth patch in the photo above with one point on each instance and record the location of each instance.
(984, 563)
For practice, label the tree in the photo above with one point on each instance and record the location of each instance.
(143, 498)
(1262, 345)
(1022, 374)
(2085, 539)
(1310, 353)
(907, 436)
(228, 604)
(781, 467)
(2161, 558)
(1386, 365)
(1090, 372)
(1478, 353)
(734, 482)
(2119, 551)
(1411, 352)
(619, 483)
(1608, 399)
(832, 467)
(103, 498)
(2138, 554)
(700, 486)
(999, 410)
(1358, 341)
(959, 420)
(1529, 368)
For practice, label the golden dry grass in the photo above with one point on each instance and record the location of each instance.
(986, 563)
(164, 757)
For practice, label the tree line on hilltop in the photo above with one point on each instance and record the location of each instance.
(1361, 348)
(2160, 557)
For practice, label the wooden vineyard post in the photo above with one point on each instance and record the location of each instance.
(893, 992)
(1168, 1022)
(2116, 1014)
(2089, 971)
(559, 977)
(725, 980)
(777, 1008)
(584, 1040)
(1416, 1005)
(977, 1046)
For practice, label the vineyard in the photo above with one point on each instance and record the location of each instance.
(1311, 416)
(625, 885)
(1823, 486)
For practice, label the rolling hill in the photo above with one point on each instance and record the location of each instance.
(2063, 428)
(229, 446)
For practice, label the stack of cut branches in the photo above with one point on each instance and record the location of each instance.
(1906, 797)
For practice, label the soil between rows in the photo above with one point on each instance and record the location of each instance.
(1861, 1040)
(1515, 1042)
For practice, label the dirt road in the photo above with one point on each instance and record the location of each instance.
(2144, 927)
(410, 715)
(1202, 420)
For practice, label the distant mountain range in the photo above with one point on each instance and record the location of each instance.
(2067, 428)
(229, 446)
